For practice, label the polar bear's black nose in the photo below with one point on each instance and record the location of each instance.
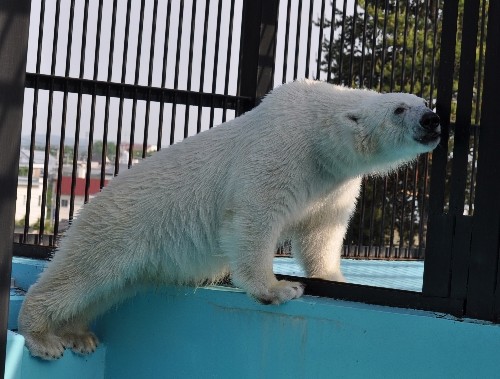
(429, 121)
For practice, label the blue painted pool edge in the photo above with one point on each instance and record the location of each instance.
(220, 332)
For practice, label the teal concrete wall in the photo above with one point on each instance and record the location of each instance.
(215, 332)
(221, 333)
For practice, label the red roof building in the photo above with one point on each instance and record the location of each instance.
(94, 186)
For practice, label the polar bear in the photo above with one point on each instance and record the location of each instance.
(221, 201)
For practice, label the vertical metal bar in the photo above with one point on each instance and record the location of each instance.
(438, 247)
(136, 82)
(79, 111)
(63, 120)
(228, 60)
(395, 180)
(49, 123)
(405, 46)
(190, 67)
(320, 39)
(216, 61)
(384, 46)
(394, 45)
(353, 41)
(363, 47)
(424, 48)
(308, 46)
(415, 44)
(434, 53)
(483, 292)
(176, 74)
(120, 107)
(342, 42)
(477, 115)
(258, 47)
(34, 122)
(332, 35)
(92, 107)
(164, 75)
(150, 79)
(14, 27)
(458, 182)
(287, 36)
(106, 111)
(203, 60)
(374, 45)
(372, 216)
(297, 41)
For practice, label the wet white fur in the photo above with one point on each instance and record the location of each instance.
(221, 201)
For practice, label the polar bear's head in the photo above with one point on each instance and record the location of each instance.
(393, 127)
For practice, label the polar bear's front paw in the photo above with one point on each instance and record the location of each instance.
(45, 346)
(280, 292)
(84, 342)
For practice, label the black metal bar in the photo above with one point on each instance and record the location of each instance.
(320, 39)
(190, 65)
(363, 47)
(308, 46)
(34, 121)
(483, 291)
(14, 28)
(374, 45)
(394, 45)
(342, 42)
(332, 35)
(176, 72)
(122, 95)
(203, 63)
(353, 42)
(92, 107)
(49, 124)
(228, 60)
(150, 79)
(414, 51)
(477, 114)
(108, 97)
(79, 112)
(384, 45)
(438, 250)
(297, 41)
(163, 75)
(287, 35)
(63, 120)
(136, 82)
(458, 181)
(405, 45)
(216, 60)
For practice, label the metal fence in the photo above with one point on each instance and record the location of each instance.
(101, 96)
(110, 82)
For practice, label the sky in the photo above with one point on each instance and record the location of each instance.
(102, 72)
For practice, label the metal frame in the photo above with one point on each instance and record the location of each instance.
(461, 266)
(14, 27)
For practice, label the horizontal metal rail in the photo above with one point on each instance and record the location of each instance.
(137, 92)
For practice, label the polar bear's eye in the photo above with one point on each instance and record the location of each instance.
(399, 110)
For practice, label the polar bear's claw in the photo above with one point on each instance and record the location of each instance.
(45, 346)
(81, 342)
(281, 292)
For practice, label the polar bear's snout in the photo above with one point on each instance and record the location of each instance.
(430, 129)
(430, 121)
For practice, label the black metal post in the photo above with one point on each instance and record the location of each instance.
(14, 27)
(483, 285)
(258, 49)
